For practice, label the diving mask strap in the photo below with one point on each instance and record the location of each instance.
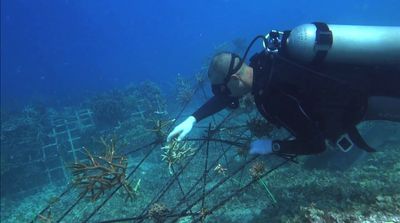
(232, 69)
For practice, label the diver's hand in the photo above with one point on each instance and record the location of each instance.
(182, 129)
(261, 147)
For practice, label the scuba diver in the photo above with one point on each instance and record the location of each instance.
(317, 80)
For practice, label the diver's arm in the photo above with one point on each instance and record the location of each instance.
(310, 146)
(212, 106)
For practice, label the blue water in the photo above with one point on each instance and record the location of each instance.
(64, 53)
(59, 51)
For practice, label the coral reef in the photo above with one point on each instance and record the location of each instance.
(150, 97)
(108, 108)
(367, 192)
(115, 106)
(22, 134)
(27, 126)
(206, 182)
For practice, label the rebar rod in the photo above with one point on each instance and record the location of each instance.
(189, 194)
(205, 173)
(217, 185)
(179, 185)
(169, 184)
(211, 210)
(49, 205)
(232, 143)
(144, 217)
(142, 147)
(172, 180)
(235, 193)
(81, 196)
(153, 143)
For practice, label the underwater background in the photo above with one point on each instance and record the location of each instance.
(97, 84)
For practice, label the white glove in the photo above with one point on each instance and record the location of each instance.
(261, 147)
(182, 129)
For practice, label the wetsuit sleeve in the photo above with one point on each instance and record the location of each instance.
(212, 106)
(308, 138)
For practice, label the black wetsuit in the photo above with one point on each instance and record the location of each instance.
(315, 102)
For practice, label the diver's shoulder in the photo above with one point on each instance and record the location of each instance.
(260, 58)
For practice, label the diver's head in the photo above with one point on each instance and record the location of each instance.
(229, 76)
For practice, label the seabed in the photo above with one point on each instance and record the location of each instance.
(107, 161)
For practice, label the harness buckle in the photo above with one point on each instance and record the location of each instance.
(345, 143)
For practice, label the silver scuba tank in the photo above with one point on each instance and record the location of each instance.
(363, 45)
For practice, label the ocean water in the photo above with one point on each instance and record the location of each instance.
(99, 84)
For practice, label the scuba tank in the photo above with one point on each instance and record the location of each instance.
(319, 42)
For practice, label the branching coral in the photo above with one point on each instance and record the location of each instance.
(246, 103)
(257, 170)
(176, 151)
(159, 128)
(220, 169)
(158, 212)
(101, 173)
(259, 127)
(200, 78)
(185, 90)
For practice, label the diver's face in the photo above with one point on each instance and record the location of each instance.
(237, 85)
(231, 88)
(233, 85)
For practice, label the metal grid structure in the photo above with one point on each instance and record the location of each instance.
(63, 142)
(35, 153)
(194, 199)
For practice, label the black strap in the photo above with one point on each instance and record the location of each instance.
(232, 69)
(323, 40)
(284, 51)
(261, 78)
(358, 140)
(241, 60)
